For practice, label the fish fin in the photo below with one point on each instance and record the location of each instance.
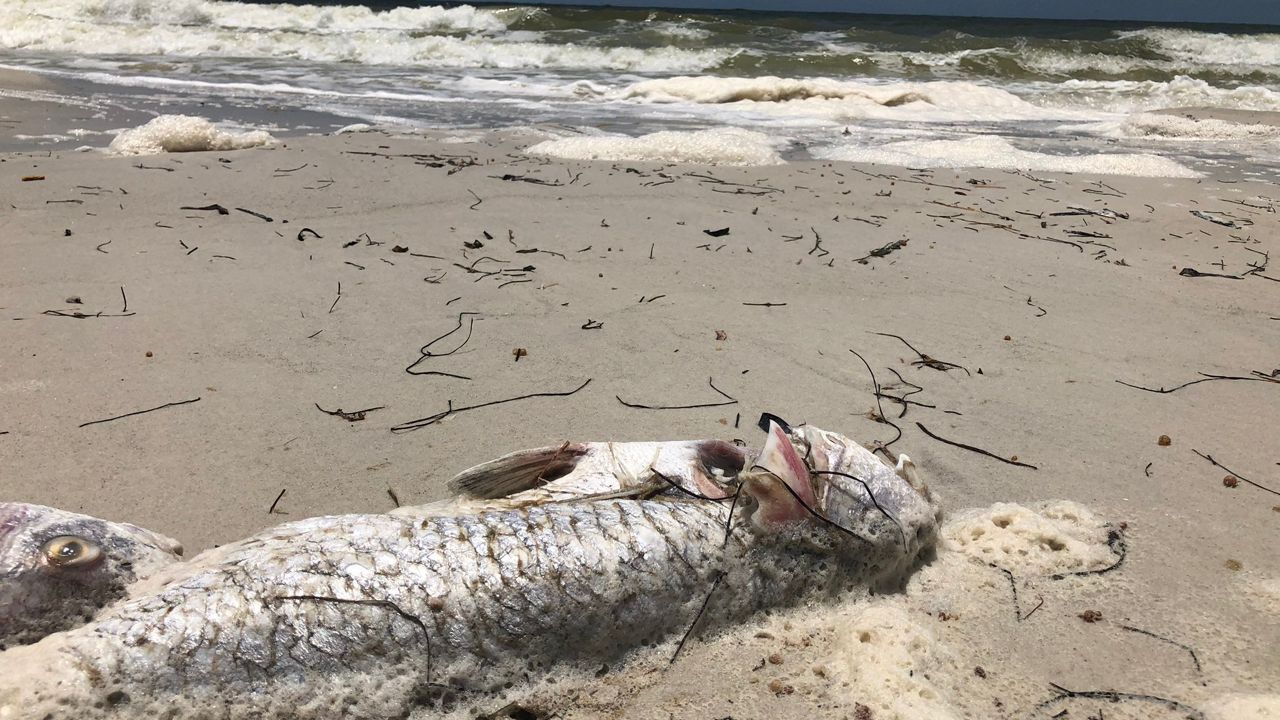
(780, 506)
(518, 471)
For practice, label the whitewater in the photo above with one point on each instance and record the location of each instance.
(811, 85)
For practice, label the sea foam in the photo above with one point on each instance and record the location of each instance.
(182, 133)
(987, 151)
(728, 146)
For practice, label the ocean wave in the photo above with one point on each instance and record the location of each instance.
(1194, 46)
(1168, 126)
(838, 99)
(1125, 96)
(291, 34)
(988, 151)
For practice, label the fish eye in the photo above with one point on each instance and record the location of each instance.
(71, 551)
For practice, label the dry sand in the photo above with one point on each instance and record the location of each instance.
(1041, 315)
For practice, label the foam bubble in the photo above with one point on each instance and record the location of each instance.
(840, 99)
(1243, 707)
(1052, 538)
(1178, 127)
(729, 146)
(989, 151)
(182, 133)
(888, 659)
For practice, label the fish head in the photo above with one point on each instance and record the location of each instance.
(832, 493)
(58, 568)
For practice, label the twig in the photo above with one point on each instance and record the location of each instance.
(971, 448)
(880, 418)
(349, 416)
(1194, 660)
(477, 197)
(433, 419)
(272, 510)
(1114, 696)
(140, 412)
(425, 351)
(706, 601)
(1237, 475)
(1207, 377)
(729, 401)
(765, 304)
(125, 298)
(926, 360)
(336, 299)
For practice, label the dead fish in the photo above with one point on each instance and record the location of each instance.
(373, 616)
(58, 568)
(574, 471)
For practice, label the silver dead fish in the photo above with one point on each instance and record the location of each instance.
(59, 568)
(373, 615)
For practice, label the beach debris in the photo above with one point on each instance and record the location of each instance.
(717, 233)
(303, 233)
(721, 335)
(1090, 616)
(1237, 477)
(32, 178)
(1193, 273)
(1256, 376)
(429, 420)
(882, 251)
(978, 450)
(923, 360)
(519, 353)
(728, 400)
(1164, 441)
(215, 207)
(1230, 481)
(272, 510)
(592, 324)
(349, 416)
(140, 412)
(425, 352)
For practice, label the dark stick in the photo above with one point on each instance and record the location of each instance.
(765, 304)
(1207, 377)
(1117, 544)
(126, 300)
(271, 510)
(881, 417)
(706, 601)
(926, 360)
(1237, 475)
(1194, 660)
(102, 245)
(351, 416)
(1114, 696)
(477, 197)
(140, 412)
(420, 423)
(394, 498)
(425, 352)
(971, 448)
(729, 401)
(336, 299)
(255, 214)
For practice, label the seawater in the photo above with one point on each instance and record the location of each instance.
(827, 85)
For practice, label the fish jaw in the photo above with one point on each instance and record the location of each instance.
(784, 491)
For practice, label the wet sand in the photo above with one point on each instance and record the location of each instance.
(1026, 298)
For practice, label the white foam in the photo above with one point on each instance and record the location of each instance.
(1129, 96)
(182, 133)
(840, 99)
(1176, 127)
(888, 659)
(728, 146)
(1243, 707)
(988, 151)
(1207, 48)
(1048, 539)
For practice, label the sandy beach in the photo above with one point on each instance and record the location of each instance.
(251, 291)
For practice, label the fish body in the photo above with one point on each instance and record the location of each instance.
(371, 616)
(59, 568)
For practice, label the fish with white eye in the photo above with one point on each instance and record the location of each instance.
(59, 569)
